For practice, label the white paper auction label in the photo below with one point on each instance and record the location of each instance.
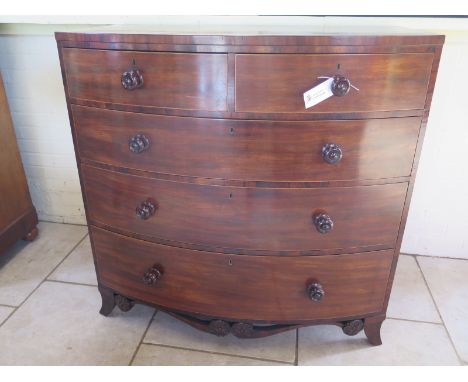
(318, 93)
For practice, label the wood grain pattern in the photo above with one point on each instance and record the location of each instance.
(243, 287)
(17, 214)
(251, 218)
(249, 115)
(267, 48)
(275, 41)
(247, 183)
(219, 148)
(172, 80)
(275, 83)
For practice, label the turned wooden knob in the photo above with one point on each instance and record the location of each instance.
(132, 79)
(323, 223)
(315, 291)
(353, 327)
(138, 143)
(152, 275)
(219, 328)
(332, 153)
(146, 209)
(340, 86)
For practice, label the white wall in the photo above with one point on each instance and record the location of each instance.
(31, 73)
(438, 219)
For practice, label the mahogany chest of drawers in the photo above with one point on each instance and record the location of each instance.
(212, 193)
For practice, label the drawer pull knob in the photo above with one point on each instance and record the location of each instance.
(323, 223)
(332, 153)
(152, 275)
(340, 86)
(138, 143)
(315, 291)
(146, 209)
(132, 79)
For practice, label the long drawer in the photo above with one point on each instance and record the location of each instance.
(270, 219)
(274, 83)
(169, 80)
(243, 287)
(248, 150)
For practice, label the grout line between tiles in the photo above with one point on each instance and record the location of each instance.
(142, 338)
(66, 257)
(433, 256)
(75, 224)
(438, 312)
(44, 279)
(416, 321)
(8, 306)
(70, 282)
(219, 353)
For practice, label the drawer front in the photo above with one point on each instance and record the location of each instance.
(250, 218)
(243, 287)
(248, 150)
(276, 83)
(170, 80)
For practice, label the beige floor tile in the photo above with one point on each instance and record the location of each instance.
(166, 330)
(410, 298)
(4, 313)
(448, 281)
(149, 355)
(59, 324)
(78, 267)
(404, 343)
(25, 265)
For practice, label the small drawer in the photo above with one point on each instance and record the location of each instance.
(243, 287)
(263, 219)
(248, 150)
(194, 81)
(275, 83)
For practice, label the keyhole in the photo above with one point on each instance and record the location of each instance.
(230, 196)
(230, 262)
(231, 131)
(133, 62)
(338, 67)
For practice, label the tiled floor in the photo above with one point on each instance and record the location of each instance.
(49, 307)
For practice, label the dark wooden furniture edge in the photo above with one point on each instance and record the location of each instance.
(430, 90)
(243, 183)
(247, 115)
(240, 251)
(75, 143)
(246, 328)
(23, 227)
(217, 39)
(254, 49)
